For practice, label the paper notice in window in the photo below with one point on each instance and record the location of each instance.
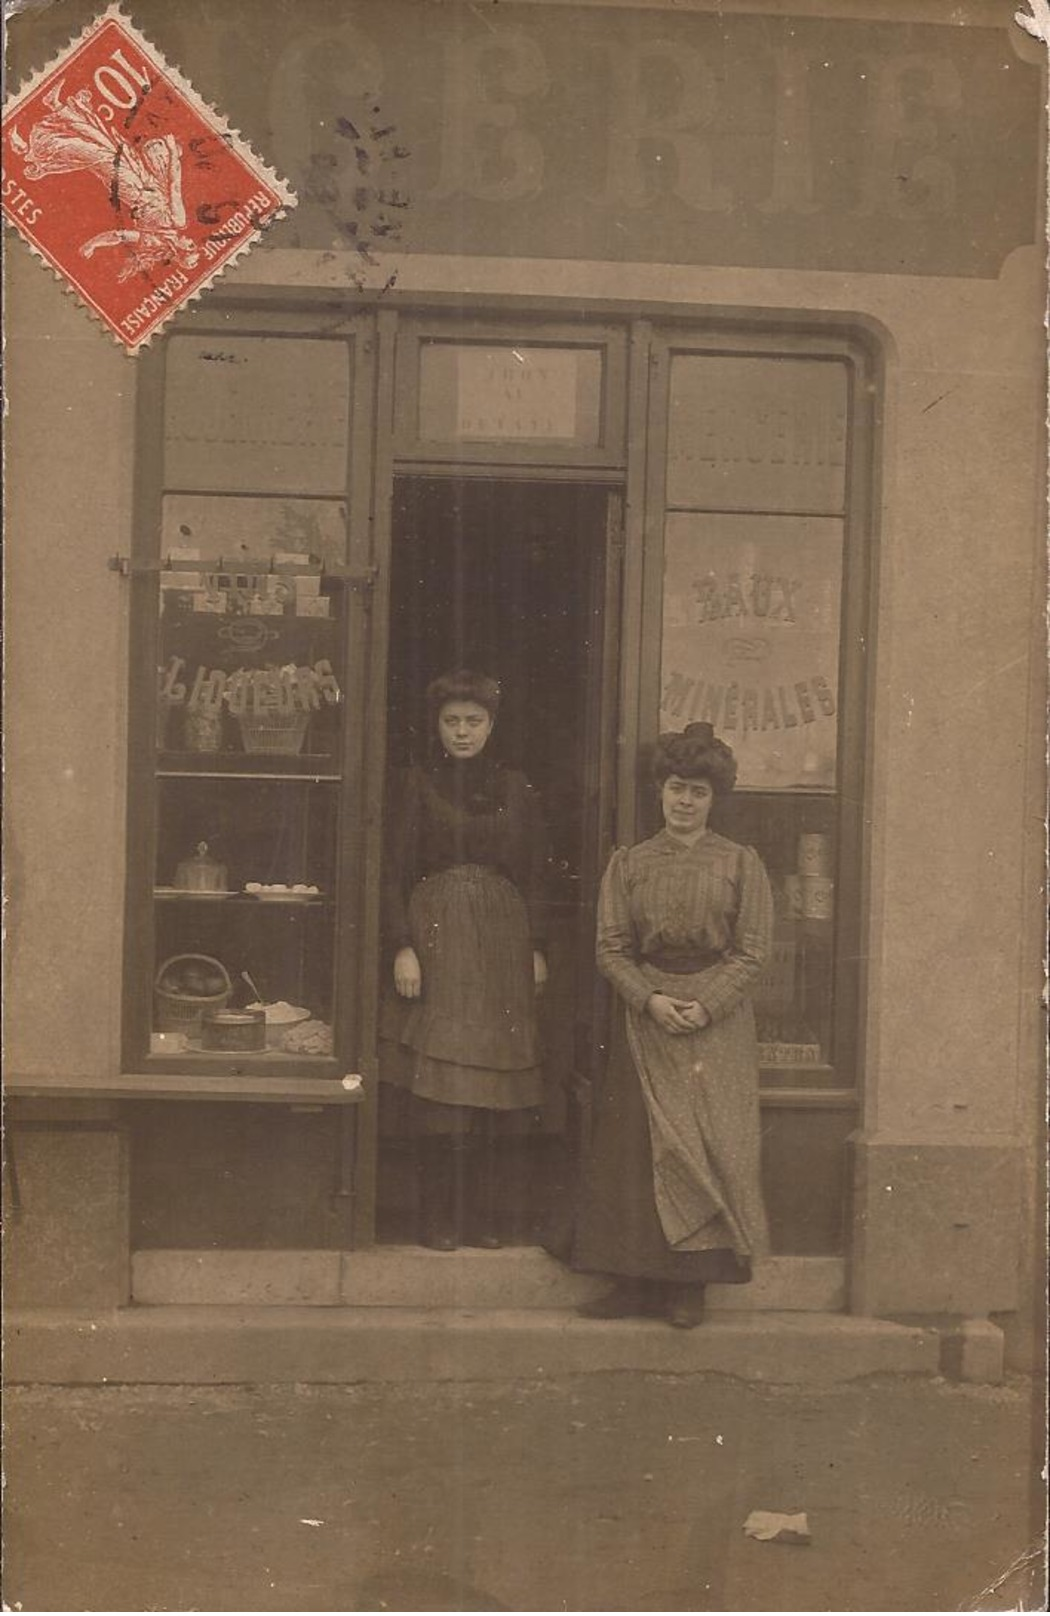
(516, 393)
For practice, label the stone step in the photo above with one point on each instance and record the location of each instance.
(520, 1277)
(337, 1345)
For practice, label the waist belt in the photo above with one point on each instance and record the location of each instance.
(682, 964)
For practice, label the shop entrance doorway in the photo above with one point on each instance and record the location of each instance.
(516, 578)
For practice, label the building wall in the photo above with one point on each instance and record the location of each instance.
(70, 466)
(951, 1057)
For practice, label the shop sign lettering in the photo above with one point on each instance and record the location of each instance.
(252, 691)
(747, 707)
(753, 648)
(658, 134)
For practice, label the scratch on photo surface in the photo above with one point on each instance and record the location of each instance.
(1022, 1562)
(491, 26)
(986, 678)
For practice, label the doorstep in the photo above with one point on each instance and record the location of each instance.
(216, 1345)
(516, 1277)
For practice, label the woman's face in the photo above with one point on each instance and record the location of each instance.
(686, 804)
(464, 728)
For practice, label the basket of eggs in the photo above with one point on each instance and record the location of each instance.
(186, 988)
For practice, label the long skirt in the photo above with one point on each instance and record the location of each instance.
(471, 1038)
(671, 1189)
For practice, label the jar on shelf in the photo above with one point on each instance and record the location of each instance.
(202, 730)
(200, 872)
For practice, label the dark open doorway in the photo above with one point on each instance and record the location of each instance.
(508, 577)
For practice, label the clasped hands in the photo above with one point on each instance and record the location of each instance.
(677, 1015)
(408, 977)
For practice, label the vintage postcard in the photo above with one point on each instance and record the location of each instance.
(524, 822)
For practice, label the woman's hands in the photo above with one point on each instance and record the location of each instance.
(408, 978)
(676, 1015)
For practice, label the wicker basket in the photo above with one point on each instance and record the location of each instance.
(276, 733)
(184, 1012)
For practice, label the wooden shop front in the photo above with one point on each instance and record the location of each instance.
(364, 501)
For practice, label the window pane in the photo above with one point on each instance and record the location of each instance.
(472, 392)
(217, 837)
(248, 779)
(755, 434)
(751, 643)
(751, 640)
(260, 414)
(235, 527)
(795, 838)
(248, 663)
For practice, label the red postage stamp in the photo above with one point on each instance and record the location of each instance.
(135, 191)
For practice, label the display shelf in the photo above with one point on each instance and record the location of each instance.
(194, 1058)
(243, 899)
(808, 1099)
(286, 1089)
(797, 1074)
(311, 767)
(795, 793)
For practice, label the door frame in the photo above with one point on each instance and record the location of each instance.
(398, 452)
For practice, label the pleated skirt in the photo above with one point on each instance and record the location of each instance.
(471, 1038)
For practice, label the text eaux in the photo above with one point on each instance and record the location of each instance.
(765, 595)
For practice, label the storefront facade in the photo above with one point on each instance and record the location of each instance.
(611, 348)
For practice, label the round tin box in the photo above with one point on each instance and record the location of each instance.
(236, 1030)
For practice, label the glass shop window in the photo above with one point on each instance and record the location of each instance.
(238, 961)
(754, 545)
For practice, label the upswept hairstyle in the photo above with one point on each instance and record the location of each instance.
(695, 753)
(463, 685)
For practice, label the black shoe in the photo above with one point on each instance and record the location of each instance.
(685, 1306)
(628, 1299)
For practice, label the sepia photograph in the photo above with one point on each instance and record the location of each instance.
(525, 723)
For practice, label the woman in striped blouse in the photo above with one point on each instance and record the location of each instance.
(671, 1198)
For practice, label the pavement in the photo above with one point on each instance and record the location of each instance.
(605, 1491)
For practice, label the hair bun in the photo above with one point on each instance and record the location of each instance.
(695, 753)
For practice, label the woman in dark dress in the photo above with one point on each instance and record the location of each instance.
(464, 925)
(670, 1198)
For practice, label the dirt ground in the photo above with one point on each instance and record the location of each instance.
(604, 1492)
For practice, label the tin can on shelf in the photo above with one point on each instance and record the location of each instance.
(234, 1031)
(792, 896)
(814, 853)
(818, 897)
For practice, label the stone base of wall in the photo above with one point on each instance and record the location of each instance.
(936, 1227)
(66, 1227)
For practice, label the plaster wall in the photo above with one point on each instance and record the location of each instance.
(68, 478)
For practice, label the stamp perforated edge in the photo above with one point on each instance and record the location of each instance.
(247, 153)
